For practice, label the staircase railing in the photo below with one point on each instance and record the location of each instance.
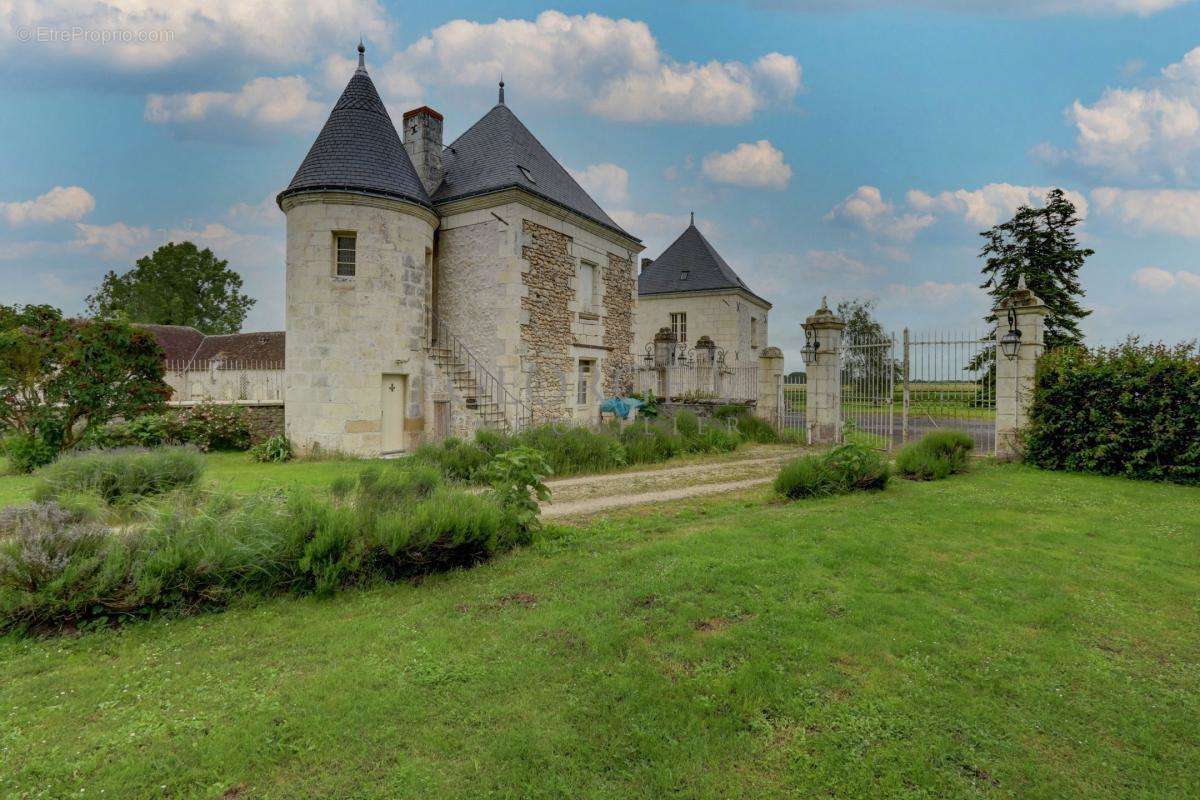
(487, 386)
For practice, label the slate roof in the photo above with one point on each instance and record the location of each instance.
(498, 152)
(693, 254)
(182, 343)
(359, 150)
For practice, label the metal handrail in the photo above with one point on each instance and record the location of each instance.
(441, 337)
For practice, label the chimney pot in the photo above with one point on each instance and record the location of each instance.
(423, 141)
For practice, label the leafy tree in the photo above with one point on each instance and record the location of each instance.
(177, 285)
(867, 365)
(1040, 244)
(60, 378)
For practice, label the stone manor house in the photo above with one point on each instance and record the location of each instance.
(432, 289)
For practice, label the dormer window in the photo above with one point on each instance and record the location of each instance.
(683, 275)
(528, 175)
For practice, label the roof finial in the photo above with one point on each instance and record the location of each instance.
(693, 220)
(501, 88)
(362, 55)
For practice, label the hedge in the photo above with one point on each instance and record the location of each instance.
(1131, 410)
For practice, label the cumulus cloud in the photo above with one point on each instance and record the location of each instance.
(60, 203)
(758, 165)
(838, 263)
(112, 241)
(867, 210)
(260, 106)
(135, 36)
(264, 213)
(990, 204)
(606, 183)
(1175, 211)
(1159, 280)
(1151, 132)
(612, 67)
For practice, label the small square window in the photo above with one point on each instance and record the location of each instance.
(345, 244)
(683, 275)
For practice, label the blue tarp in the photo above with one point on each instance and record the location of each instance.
(621, 406)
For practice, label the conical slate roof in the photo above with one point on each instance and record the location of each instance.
(359, 150)
(499, 152)
(690, 264)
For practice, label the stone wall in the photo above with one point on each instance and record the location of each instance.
(345, 333)
(723, 316)
(620, 293)
(701, 408)
(264, 421)
(547, 332)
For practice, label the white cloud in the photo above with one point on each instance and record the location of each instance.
(264, 213)
(606, 183)
(141, 36)
(612, 67)
(990, 204)
(113, 241)
(60, 203)
(866, 209)
(758, 165)
(261, 105)
(1175, 211)
(838, 263)
(1144, 133)
(1159, 280)
(1029, 7)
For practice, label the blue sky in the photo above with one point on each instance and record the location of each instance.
(827, 148)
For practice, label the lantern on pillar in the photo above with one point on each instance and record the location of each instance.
(1010, 342)
(812, 345)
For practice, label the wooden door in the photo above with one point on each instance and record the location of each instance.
(394, 393)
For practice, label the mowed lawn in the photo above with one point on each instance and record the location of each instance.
(1010, 633)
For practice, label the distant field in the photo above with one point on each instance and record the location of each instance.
(938, 400)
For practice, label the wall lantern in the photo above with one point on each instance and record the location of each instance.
(811, 346)
(1010, 342)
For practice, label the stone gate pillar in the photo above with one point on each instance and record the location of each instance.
(1014, 376)
(770, 385)
(664, 357)
(823, 410)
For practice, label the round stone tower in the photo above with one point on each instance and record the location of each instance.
(359, 252)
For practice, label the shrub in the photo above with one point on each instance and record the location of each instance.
(26, 452)
(938, 455)
(845, 468)
(213, 427)
(858, 467)
(276, 450)
(395, 485)
(120, 475)
(807, 476)
(755, 429)
(713, 439)
(687, 424)
(52, 565)
(730, 411)
(647, 443)
(457, 460)
(449, 529)
(573, 449)
(1131, 410)
(516, 477)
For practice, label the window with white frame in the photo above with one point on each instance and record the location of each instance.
(345, 245)
(587, 286)
(679, 326)
(583, 388)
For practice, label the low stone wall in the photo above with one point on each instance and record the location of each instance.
(701, 408)
(263, 419)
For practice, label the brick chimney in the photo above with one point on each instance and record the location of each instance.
(423, 141)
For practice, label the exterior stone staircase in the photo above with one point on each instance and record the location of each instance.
(479, 389)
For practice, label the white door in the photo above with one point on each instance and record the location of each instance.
(394, 391)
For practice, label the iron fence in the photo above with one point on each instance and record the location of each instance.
(698, 381)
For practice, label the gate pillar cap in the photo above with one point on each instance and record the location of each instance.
(664, 335)
(771, 352)
(1022, 300)
(824, 319)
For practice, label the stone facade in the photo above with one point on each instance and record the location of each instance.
(620, 295)
(345, 334)
(546, 332)
(734, 320)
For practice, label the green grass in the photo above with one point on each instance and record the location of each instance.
(1008, 633)
(231, 471)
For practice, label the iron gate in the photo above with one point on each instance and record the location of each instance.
(868, 368)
